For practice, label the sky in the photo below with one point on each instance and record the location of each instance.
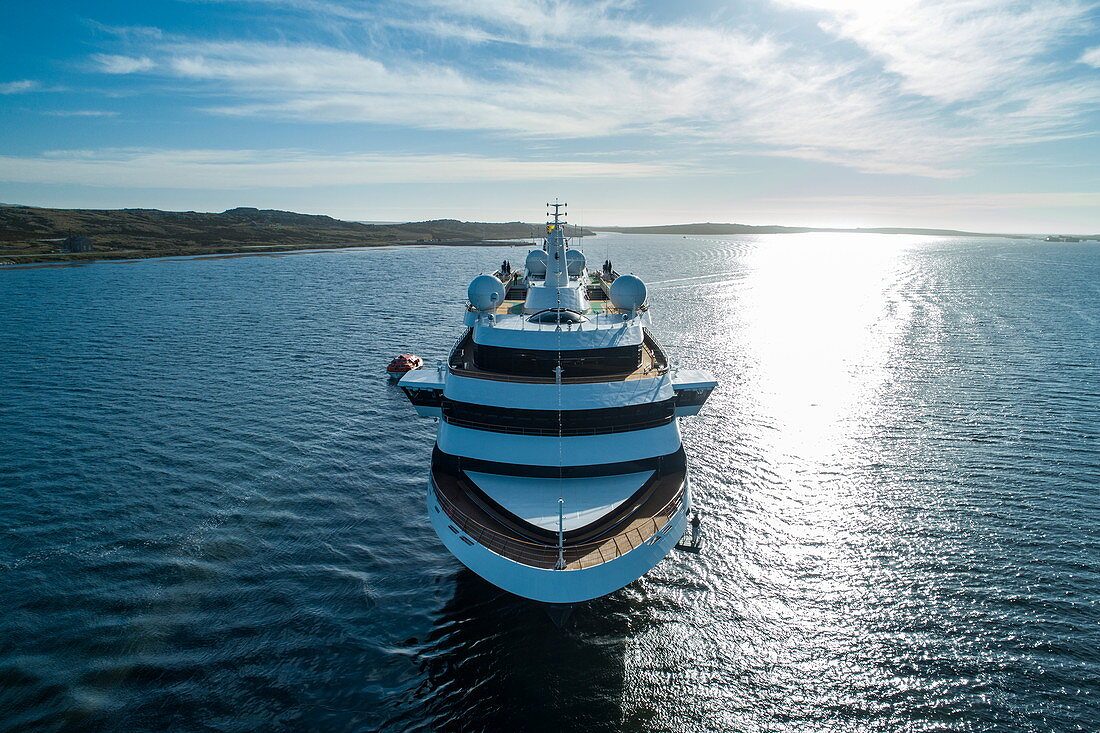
(972, 114)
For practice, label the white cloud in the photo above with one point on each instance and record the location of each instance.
(114, 64)
(17, 87)
(81, 113)
(128, 31)
(935, 202)
(984, 212)
(954, 50)
(927, 85)
(324, 84)
(1091, 57)
(237, 169)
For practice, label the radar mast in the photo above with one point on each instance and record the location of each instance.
(557, 269)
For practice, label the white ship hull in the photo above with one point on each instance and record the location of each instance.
(558, 472)
(557, 586)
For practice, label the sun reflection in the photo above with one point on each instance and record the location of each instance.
(821, 316)
(820, 323)
(806, 331)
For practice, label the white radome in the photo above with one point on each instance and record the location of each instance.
(574, 260)
(628, 292)
(485, 293)
(536, 263)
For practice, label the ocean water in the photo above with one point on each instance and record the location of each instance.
(212, 514)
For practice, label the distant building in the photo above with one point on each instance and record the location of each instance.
(77, 244)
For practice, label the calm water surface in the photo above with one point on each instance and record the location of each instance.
(211, 512)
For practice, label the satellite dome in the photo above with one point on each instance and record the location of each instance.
(536, 263)
(574, 260)
(628, 293)
(486, 293)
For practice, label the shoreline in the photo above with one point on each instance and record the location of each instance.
(80, 259)
(14, 261)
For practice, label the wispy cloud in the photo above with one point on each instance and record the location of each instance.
(81, 113)
(993, 201)
(115, 64)
(989, 212)
(1091, 57)
(17, 87)
(321, 84)
(239, 169)
(916, 87)
(955, 51)
(128, 31)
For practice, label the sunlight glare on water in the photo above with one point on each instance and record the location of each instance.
(820, 595)
(820, 328)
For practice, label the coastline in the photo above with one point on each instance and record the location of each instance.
(36, 234)
(78, 259)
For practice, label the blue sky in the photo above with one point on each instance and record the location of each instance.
(980, 114)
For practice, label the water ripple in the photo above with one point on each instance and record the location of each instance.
(212, 516)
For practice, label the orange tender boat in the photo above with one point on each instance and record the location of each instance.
(403, 364)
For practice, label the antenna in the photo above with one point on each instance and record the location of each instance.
(557, 213)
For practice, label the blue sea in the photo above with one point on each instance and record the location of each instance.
(212, 502)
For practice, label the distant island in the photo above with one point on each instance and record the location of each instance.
(35, 234)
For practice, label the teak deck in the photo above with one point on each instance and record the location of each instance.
(611, 537)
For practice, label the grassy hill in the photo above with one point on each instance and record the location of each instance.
(32, 233)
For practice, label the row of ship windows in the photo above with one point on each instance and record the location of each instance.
(555, 422)
(578, 363)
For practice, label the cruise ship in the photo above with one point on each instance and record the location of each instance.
(558, 473)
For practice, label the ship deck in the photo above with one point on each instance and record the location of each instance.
(622, 531)
(653, 364)
(599, 300)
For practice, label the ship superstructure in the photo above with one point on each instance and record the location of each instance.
(558, 473)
